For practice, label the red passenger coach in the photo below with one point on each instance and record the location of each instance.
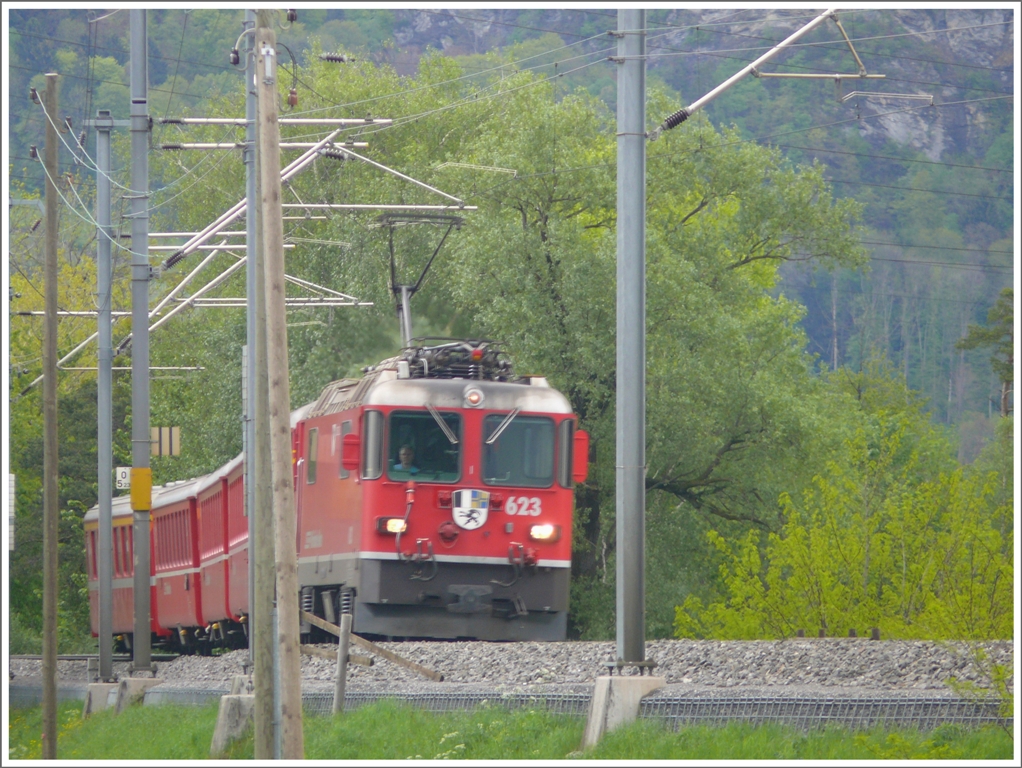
(175, 561)
(123, 568)
(434, 499)
(211, 508)
(237, 540)
(123, 600)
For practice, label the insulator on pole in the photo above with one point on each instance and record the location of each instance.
(676, 119)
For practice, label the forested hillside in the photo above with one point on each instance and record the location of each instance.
(814, 422)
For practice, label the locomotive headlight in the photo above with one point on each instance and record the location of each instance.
(473, 397)
(391, 525)
(545, 532)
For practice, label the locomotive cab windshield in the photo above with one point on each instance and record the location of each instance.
(518, 450)
(424, 445)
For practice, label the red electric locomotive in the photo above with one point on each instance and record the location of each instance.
(434, 499)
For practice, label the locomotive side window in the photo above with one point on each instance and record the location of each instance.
(424, 446)
(345, 430)
(565, 444)
(311, 455)
(372, 445)
(522, 453)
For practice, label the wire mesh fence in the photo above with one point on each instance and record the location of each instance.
(576, 704)
(922, 712)
(674, 709)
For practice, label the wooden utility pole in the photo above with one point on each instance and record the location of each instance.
(261, 528)
(271, 225)
(262, 548)
(51, 513)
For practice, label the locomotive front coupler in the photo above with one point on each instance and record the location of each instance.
(420, 557)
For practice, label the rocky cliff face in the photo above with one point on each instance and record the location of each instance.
(967, 65)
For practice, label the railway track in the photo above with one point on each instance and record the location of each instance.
(118, 657)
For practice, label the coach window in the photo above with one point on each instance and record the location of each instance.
(345, 430)
(565, 444)
(372, 445)
(311, 455)
(424, 445)
(518, 450)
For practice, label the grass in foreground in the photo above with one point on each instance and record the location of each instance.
(391, 731)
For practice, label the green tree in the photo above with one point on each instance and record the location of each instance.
(1000, 335)
(886, 537)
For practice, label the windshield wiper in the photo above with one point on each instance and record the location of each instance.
(503, 425)
(443, 425)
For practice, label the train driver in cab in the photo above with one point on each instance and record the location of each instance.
(406, 460)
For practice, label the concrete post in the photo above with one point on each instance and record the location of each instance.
(104, 406)
(631, 335)
(141, 473)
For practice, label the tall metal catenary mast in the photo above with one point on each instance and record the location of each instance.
(631, 336)
(141, 472)
(104, 402)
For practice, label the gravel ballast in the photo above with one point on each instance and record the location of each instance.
(832, 666)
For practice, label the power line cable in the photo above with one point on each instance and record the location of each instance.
(86, 218)
(223, 156)
(856, 119)
(114, 82)
(652, 26)
(897, 159)
(667, 155)
(918, 189)
(538, 29)
(498, 68)
(901, 296)
(838, 46)
(74, 153)
(956, 86)
(935, 247)
(449, 14)
(93, 166)
(90, 70)
(827, 45)
(105, 16)
(472, 98)
(193, 62)
(177, 66)
(951, 264)
(65, 164)
(717, 54)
